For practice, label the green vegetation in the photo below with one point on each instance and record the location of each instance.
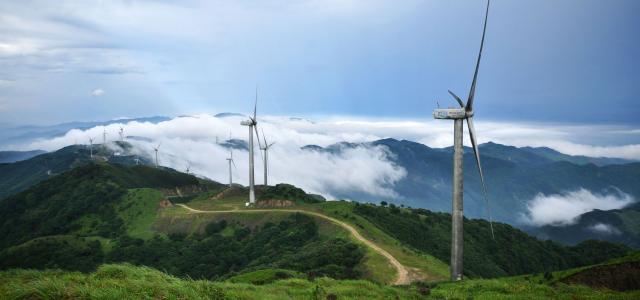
(129, 282)
(264, 276)
(512, 252)
(287, 192)
(82, 201)
(137, 209)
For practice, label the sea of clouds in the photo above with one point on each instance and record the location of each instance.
(191, 141)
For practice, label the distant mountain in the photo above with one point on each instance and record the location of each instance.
(514, 176)
(18, 176)
(22, 134)
(228, 114)
(235, 144)
(14, 156)
(577, 159)
(618, 226)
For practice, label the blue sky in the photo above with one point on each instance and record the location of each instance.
(545, 61)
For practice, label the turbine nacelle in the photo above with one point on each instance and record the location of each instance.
(249, 122)
(450, 113)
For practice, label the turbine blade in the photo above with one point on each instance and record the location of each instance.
(255, 105)
(475, 74)
(457, 98)
(476, 152)
(255, 127)
(264, 137)
(234, 164)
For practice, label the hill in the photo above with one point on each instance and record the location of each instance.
(118, 206)
(618, 226)
(18, 176)
(514, 176)
(13, 156)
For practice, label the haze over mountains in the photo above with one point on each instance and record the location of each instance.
(527, 185)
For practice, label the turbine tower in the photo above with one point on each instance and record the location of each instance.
(188, 167)
(104, 135)
(156, 150)
(266, 157)
(91, 147)
(465, 112)
(230, 161)
(252, 124)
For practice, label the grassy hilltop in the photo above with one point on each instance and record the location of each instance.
(105, 230)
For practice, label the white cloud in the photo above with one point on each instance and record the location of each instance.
(191, 140)
(564, 209)
(97, 92)
(603, 228)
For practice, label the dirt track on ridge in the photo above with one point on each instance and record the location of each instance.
(402, 276)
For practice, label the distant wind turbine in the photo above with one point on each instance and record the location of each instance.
(104, 135)
(121, 133)
(91, 147)
(465, 112)
(230, 161)
(266, 157)
(156, 150)
(188, 167)
(252, 123)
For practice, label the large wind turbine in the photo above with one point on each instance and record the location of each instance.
(252, 123)
(465, 112)
(156, 150)
(266, 157)
(230, 161)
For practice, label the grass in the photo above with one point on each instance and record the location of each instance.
(123, 281)
(520, 288)
(376, 267)
(129, 282)
(138, 209)
(264, 276)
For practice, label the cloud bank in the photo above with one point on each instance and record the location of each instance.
(564, 209)
(192, 140)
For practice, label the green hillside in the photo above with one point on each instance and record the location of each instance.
(129, 282)
(114, 224)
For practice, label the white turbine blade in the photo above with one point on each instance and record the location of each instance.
(234, 164)
(475, 74)
(476, 152)
(457, 99)
(255, 105)
(264, 137)
(255, 127)
(271, 145)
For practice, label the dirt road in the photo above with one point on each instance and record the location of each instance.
(402, 276)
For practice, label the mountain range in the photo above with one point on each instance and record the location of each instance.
(514, 177)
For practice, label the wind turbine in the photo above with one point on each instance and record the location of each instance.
(465, 112)
(266, 157)
(91, 147)
(121, 133)
(104, 135)
(230, 161)
(252, 123)
(188, 167)
(156, 150)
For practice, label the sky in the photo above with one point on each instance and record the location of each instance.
(546, 62)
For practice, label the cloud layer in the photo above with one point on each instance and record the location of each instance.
(564, 209)
(191, 140)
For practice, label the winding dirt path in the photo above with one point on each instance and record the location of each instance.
(402, 276)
